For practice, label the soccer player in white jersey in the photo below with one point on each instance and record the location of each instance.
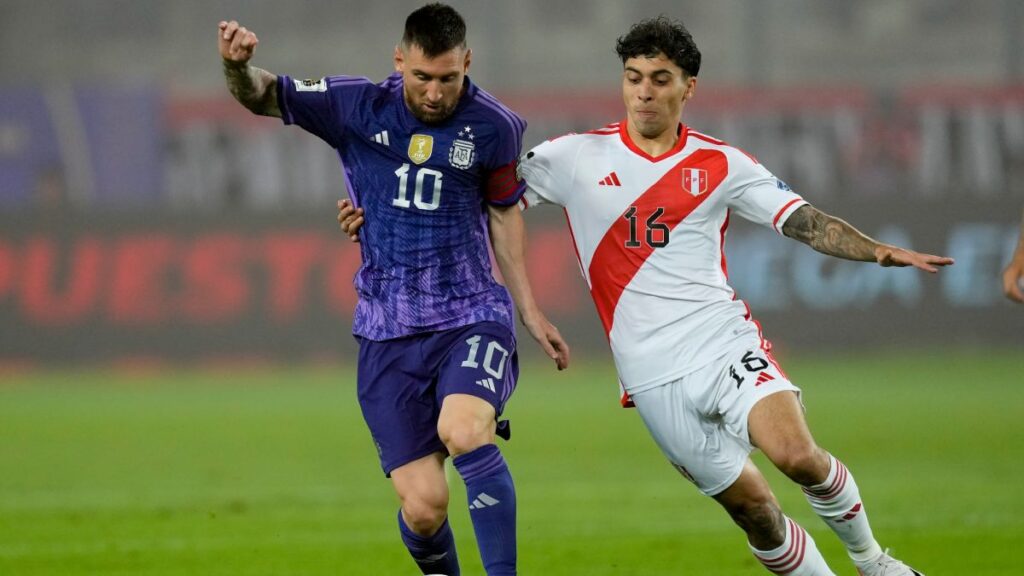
(648, 202)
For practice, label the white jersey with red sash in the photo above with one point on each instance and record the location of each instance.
(649, 233)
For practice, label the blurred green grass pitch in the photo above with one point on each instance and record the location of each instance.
(273, 472)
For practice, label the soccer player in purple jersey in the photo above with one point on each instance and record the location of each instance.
(432, 159)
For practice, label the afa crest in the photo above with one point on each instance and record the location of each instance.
(421, 146)
(461, 154)
(463, 150)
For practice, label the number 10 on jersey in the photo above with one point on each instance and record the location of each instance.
(417, 198)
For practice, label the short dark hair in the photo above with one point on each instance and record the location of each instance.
(436, 28)
(660, 35)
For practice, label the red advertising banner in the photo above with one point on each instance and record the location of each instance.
(78, 288)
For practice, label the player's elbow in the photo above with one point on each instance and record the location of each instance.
(263, 106)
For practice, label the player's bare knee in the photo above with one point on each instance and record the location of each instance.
(763, 522)
(807, 465)
(424, 513)
(465, 435)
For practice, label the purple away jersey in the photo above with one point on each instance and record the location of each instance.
(425, 248)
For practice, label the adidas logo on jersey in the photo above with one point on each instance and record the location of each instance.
(487, 383)
(381, 138)
(610, 180)
(483, 501)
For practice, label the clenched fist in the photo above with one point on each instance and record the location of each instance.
(236, 43)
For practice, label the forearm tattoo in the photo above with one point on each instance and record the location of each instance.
(829, 235)
(254, 88)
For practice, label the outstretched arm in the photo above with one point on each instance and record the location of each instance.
(1014, 272)
(830, 235)
(508, 235)
(254, 88)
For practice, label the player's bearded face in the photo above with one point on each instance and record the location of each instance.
(654, 91)
(433, 85)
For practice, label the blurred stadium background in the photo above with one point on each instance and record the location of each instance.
(176, 374)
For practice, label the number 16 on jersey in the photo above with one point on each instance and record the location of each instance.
(657, 232)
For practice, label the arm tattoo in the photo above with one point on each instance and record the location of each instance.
(254, 88)
(829, 235)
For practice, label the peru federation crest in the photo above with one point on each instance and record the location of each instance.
(695, 181)
(463, 151)
(421, 146)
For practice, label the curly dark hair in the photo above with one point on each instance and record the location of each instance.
(660, 35)
(436, 28)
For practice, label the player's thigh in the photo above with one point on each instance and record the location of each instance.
(747, 379)
(779, 429)
(480, 360)
(762, 408)
(398, 401)
(697, 446)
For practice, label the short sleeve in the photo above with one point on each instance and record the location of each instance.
(321, 107)
(757, 195)
(546, 170)
(502, 186)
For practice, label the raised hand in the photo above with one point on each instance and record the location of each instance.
(254, 88)
(894, 256)
(237, 43)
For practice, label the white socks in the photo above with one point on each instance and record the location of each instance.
(798, 555)
(837, 501)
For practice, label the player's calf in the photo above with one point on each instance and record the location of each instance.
(492, 507)
(422, 519)
(782, 546)
(433, 553)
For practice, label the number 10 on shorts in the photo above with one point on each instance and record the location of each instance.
(495, 354)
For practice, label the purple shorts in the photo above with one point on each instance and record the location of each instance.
(402, 383)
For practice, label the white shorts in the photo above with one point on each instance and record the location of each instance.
(700, 420)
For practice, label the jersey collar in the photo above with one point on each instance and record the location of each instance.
(683, 130)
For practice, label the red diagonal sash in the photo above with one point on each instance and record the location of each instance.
(614, 264)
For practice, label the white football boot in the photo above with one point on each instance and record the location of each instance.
(886, 565)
